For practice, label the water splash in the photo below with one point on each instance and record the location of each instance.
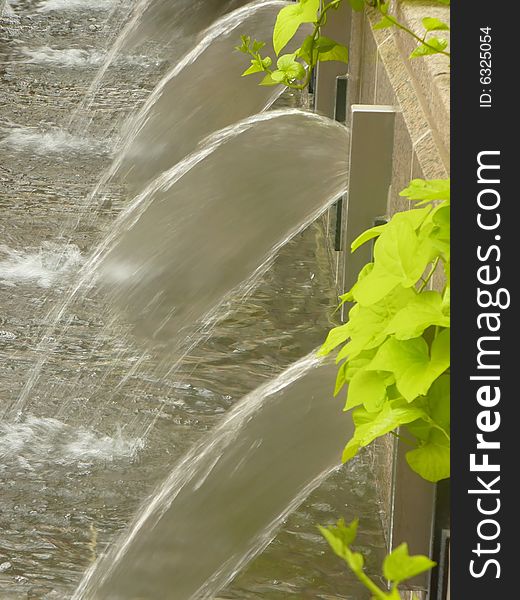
(38, 442)
(8, 15)
(45, 266)
(7, 335)
(78, 57)
(223, 502)
(52, 141)
(76, 5)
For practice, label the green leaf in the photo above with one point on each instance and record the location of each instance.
(254, 68)
(289, 20)
(400, 252)
(367, 388)
(423, 311)
(348, 297)
(290, 68)
(435, 45)
(441, 233)
(336, 336)
(268, 80)
(433, 430)
(442, 217)
(431, 461)
(400, 258)
(357, 5)
(420, 429)
(374, 286)
(278, 76)
(367, 235)
(358, 362)
(399, 566)
(438, 400)
(305, 51)
(384, 23)
(340, 378)
(432, 24)
(410, 362)
(244, 47)
(340, 537)
(329, 50)
(389, 418)
(258, 66)
(257, 46)
(350, 450)
(356, 562)
(361, 416)
(367, 325)
(427, 190)
(415, 217)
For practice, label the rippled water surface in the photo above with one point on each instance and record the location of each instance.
(104, 425)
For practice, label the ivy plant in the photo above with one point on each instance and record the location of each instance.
(393, 351)
(398, 566)
(295, 69)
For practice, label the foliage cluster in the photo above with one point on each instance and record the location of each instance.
(395, 345)
(398, 566)
(295, 69)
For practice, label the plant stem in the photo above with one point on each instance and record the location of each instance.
(317, 26)
(430, 274)
(369, 584)
(409, 31)
(403, 439)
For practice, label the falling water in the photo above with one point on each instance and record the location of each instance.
(184, 126)
(170, 25)
(209, 224)
(224, 500)
(168, 266)
(201, 94)
(212, 250)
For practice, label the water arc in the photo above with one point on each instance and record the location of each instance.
(201, 94)
(208, 228)
(170, 28)
(205, 227)
(223, 502)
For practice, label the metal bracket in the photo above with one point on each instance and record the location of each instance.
(370, 175)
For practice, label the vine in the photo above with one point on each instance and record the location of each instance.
(394, 351)
(295, 69)
(398, 566)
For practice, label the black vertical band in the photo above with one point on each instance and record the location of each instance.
(485, 396)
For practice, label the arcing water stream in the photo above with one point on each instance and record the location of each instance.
(202, 250)
(224, 500)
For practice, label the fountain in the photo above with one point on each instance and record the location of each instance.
(149, 398)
